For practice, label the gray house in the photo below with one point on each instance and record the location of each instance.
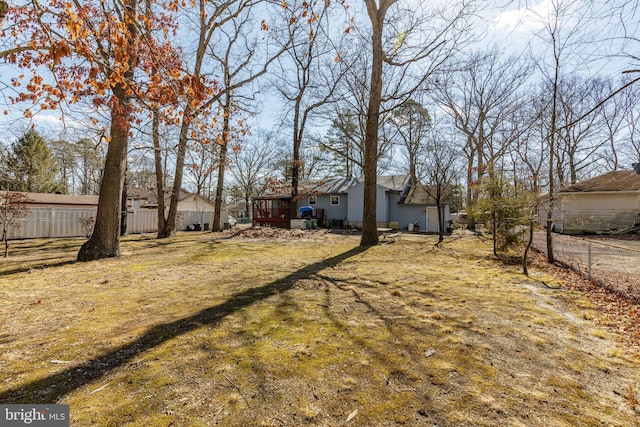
(338, 202)
(389, 191)
(328, 199)
(420, 208)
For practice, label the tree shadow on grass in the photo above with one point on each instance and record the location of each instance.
(52, 388)
(43, 265)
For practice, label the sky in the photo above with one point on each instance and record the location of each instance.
(509, 27)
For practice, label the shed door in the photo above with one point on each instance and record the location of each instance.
(432, 219)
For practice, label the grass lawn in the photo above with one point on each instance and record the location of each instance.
(204, 329)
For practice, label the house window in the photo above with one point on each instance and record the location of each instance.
(313, 200)
(335, 200)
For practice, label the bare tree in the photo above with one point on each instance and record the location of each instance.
(241, 60)
(631, 146)
(619, 125)
(13, 208)
(528, 153)
(202, 163)
(412, 123)
(251, 165)
(579, 142)
(408, 46)
(482, 98)
(200, 95)
(312, 72)
(561, 35)
(440, 163)
(348, 115)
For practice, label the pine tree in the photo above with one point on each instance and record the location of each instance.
(30, 165)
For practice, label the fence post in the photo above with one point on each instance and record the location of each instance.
(50, 221)
(589, 260)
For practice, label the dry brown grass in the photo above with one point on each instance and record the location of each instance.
(205, 330)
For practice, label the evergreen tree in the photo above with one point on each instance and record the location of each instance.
(505, 207)
(29, 165)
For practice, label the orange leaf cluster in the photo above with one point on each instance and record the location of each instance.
(88, 47)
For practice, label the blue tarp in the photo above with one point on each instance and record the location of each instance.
(305, 211)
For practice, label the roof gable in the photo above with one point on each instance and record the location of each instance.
(61, 199)
(424, 195)
(394, 182)
(151, 195)
(612, 181)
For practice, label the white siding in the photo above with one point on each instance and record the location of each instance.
(65, 222)
(142, 221)
(52, 222)
(580, 212)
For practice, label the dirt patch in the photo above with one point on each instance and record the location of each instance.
(206, 330)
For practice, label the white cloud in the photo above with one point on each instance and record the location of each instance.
(524, 20)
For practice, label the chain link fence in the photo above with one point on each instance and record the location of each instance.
(613, 265)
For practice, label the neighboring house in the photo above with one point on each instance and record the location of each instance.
(606, 202)
(148, 199)
(237, 210)
(56, 215)
(338, 203)
(66, 215)
(200, 209)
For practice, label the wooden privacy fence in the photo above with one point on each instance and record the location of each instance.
(78, 222)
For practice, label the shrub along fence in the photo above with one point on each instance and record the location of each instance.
(78, 222)
(609, 264)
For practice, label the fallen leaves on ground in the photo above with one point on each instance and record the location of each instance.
(622, 314)
(269, 233)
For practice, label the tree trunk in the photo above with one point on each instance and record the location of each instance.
(295, 164)
(123, 212)
(4, 8)
(224, 148)
(552, 147)
(439, 207)
(170, 225)
(5, 239)
(105, 239)
(157, 156)
(525, 256)
(369, 220)
(217, 214)
(494, 231)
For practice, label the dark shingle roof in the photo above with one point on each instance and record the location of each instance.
(328, 186)
(612, 181)
(342, 185)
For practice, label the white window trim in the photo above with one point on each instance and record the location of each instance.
(331, 201)
(315, 200)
